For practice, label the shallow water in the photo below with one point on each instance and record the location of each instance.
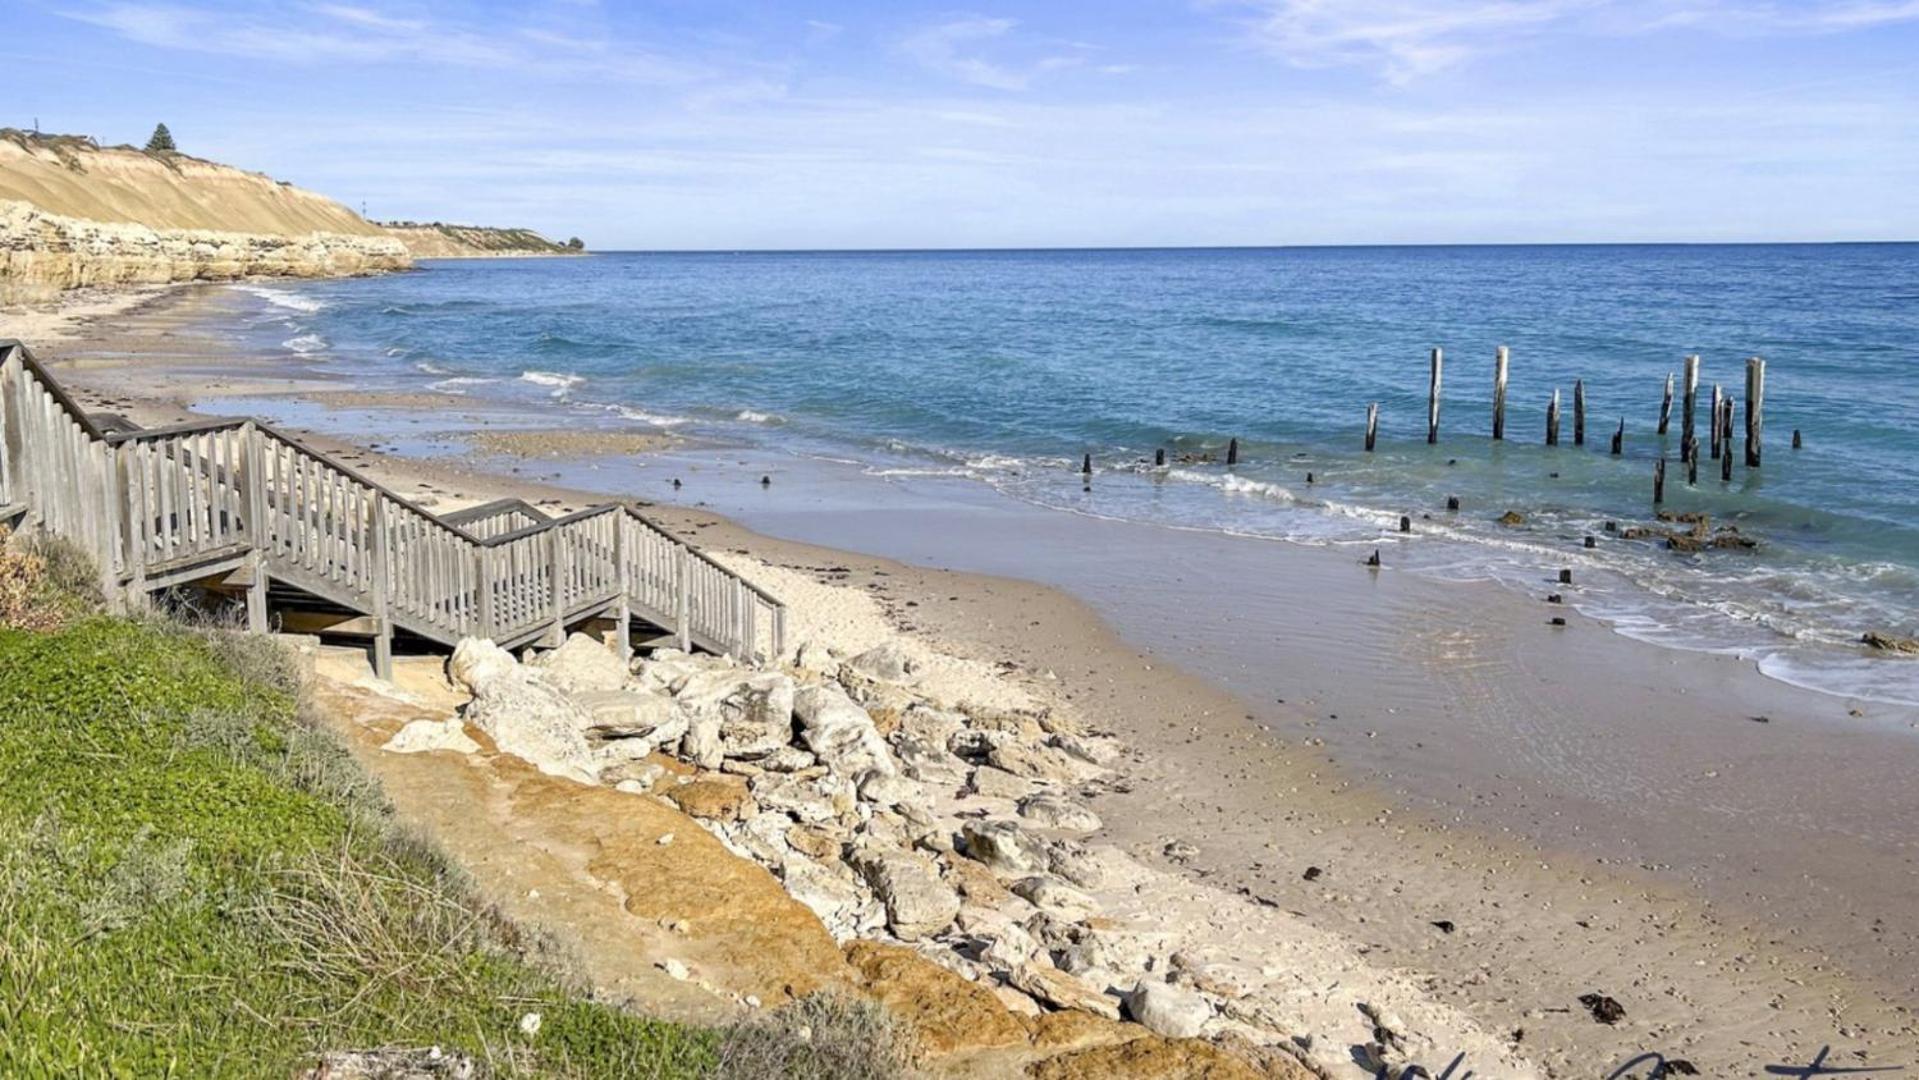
(1004, 367)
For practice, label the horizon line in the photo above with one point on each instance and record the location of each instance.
(922, 250)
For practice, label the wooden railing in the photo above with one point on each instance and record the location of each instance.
(166, 506)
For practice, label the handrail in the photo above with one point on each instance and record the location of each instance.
(166, 497)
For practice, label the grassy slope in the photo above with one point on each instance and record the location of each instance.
(195, 882)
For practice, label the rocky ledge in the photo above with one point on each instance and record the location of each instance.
(42, 254)
(964, 833)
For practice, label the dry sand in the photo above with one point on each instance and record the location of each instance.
(1250, 786)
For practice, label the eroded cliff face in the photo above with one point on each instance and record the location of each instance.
(43, 254)
(73, 214)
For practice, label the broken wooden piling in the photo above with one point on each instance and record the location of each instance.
(1086, 465)
(1665, 407)
(1159, 458)
(1579, 412)
(1372, 425)
(1714, 420)
(1691, 388)
(1500, 361)
(1232, 452)
(1725, 439)
(1552, 419)
(1755, 409)
(1797, 443)
(1659, 481)
(1432, 400)
(1619, 438)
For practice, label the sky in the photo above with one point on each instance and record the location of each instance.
(707, 124)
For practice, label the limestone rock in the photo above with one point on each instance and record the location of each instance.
(1035, 762)
(886, 663)
(1050, 810)
(642, 775)
(477, 662)
(834, 894)
(582, 664)
(787, 759)
(1055, 897)
(1088, 748)
(716, 797)
(701, 744)
(927, 760)
(1003, 847)
(420, 736)
(530, 719)
(840, 733)
(1057, 988)
(757, 720)
(918, 903)
(809, 799)
(888, 790)
(999, 784)
(1165, 1009)
(630, 714)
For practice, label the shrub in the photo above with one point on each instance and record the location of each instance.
(822, 1036)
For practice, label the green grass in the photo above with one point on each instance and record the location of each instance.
(194, 881)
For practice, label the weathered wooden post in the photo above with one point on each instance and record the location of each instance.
(1716, 395)
(623, 607)
(1659, 481)
(1692, 464)
(1432, 400)
(1725, 439)
(1665, 407)
(1552, 419)
(253, 447)
(1159, 458)
(1755, 409)
(381, 566)
(1579, 412)
(1232, 452)
(1797, 443)
(1619, 438)
(1687, 431)
(1372, 425)
(1500, 361)
(1086, 465)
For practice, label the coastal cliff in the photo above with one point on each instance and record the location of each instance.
(438, 240)
(74, 214)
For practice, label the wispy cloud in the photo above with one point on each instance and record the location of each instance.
(956, 49)
(1405, 40)
(1801, 17)
(331, 33)
(1402, 39)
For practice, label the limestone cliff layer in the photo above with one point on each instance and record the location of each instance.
(73, 214)
(441, 241)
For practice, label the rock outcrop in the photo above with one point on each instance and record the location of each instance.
(73, 214)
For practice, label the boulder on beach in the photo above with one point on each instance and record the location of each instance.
(581, 665)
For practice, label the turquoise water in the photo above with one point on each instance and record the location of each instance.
(1006, 367)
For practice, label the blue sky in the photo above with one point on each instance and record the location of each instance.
(706, 124)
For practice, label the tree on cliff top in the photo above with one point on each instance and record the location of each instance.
(162, 141)
(575, 244)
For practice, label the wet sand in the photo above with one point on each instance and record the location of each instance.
(1588, 813)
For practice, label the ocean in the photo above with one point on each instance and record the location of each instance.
(1004, 368)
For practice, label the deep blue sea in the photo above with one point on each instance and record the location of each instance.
(1006, 367)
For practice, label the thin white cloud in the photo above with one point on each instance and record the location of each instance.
(1405, 40)
(328, 33)
(943, 48)
(1402, 39)
(956, 50)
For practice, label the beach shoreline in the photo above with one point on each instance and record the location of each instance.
(1251, 787)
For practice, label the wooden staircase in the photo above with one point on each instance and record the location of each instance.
(237, 506)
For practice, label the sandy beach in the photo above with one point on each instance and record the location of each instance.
(1512, 814)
